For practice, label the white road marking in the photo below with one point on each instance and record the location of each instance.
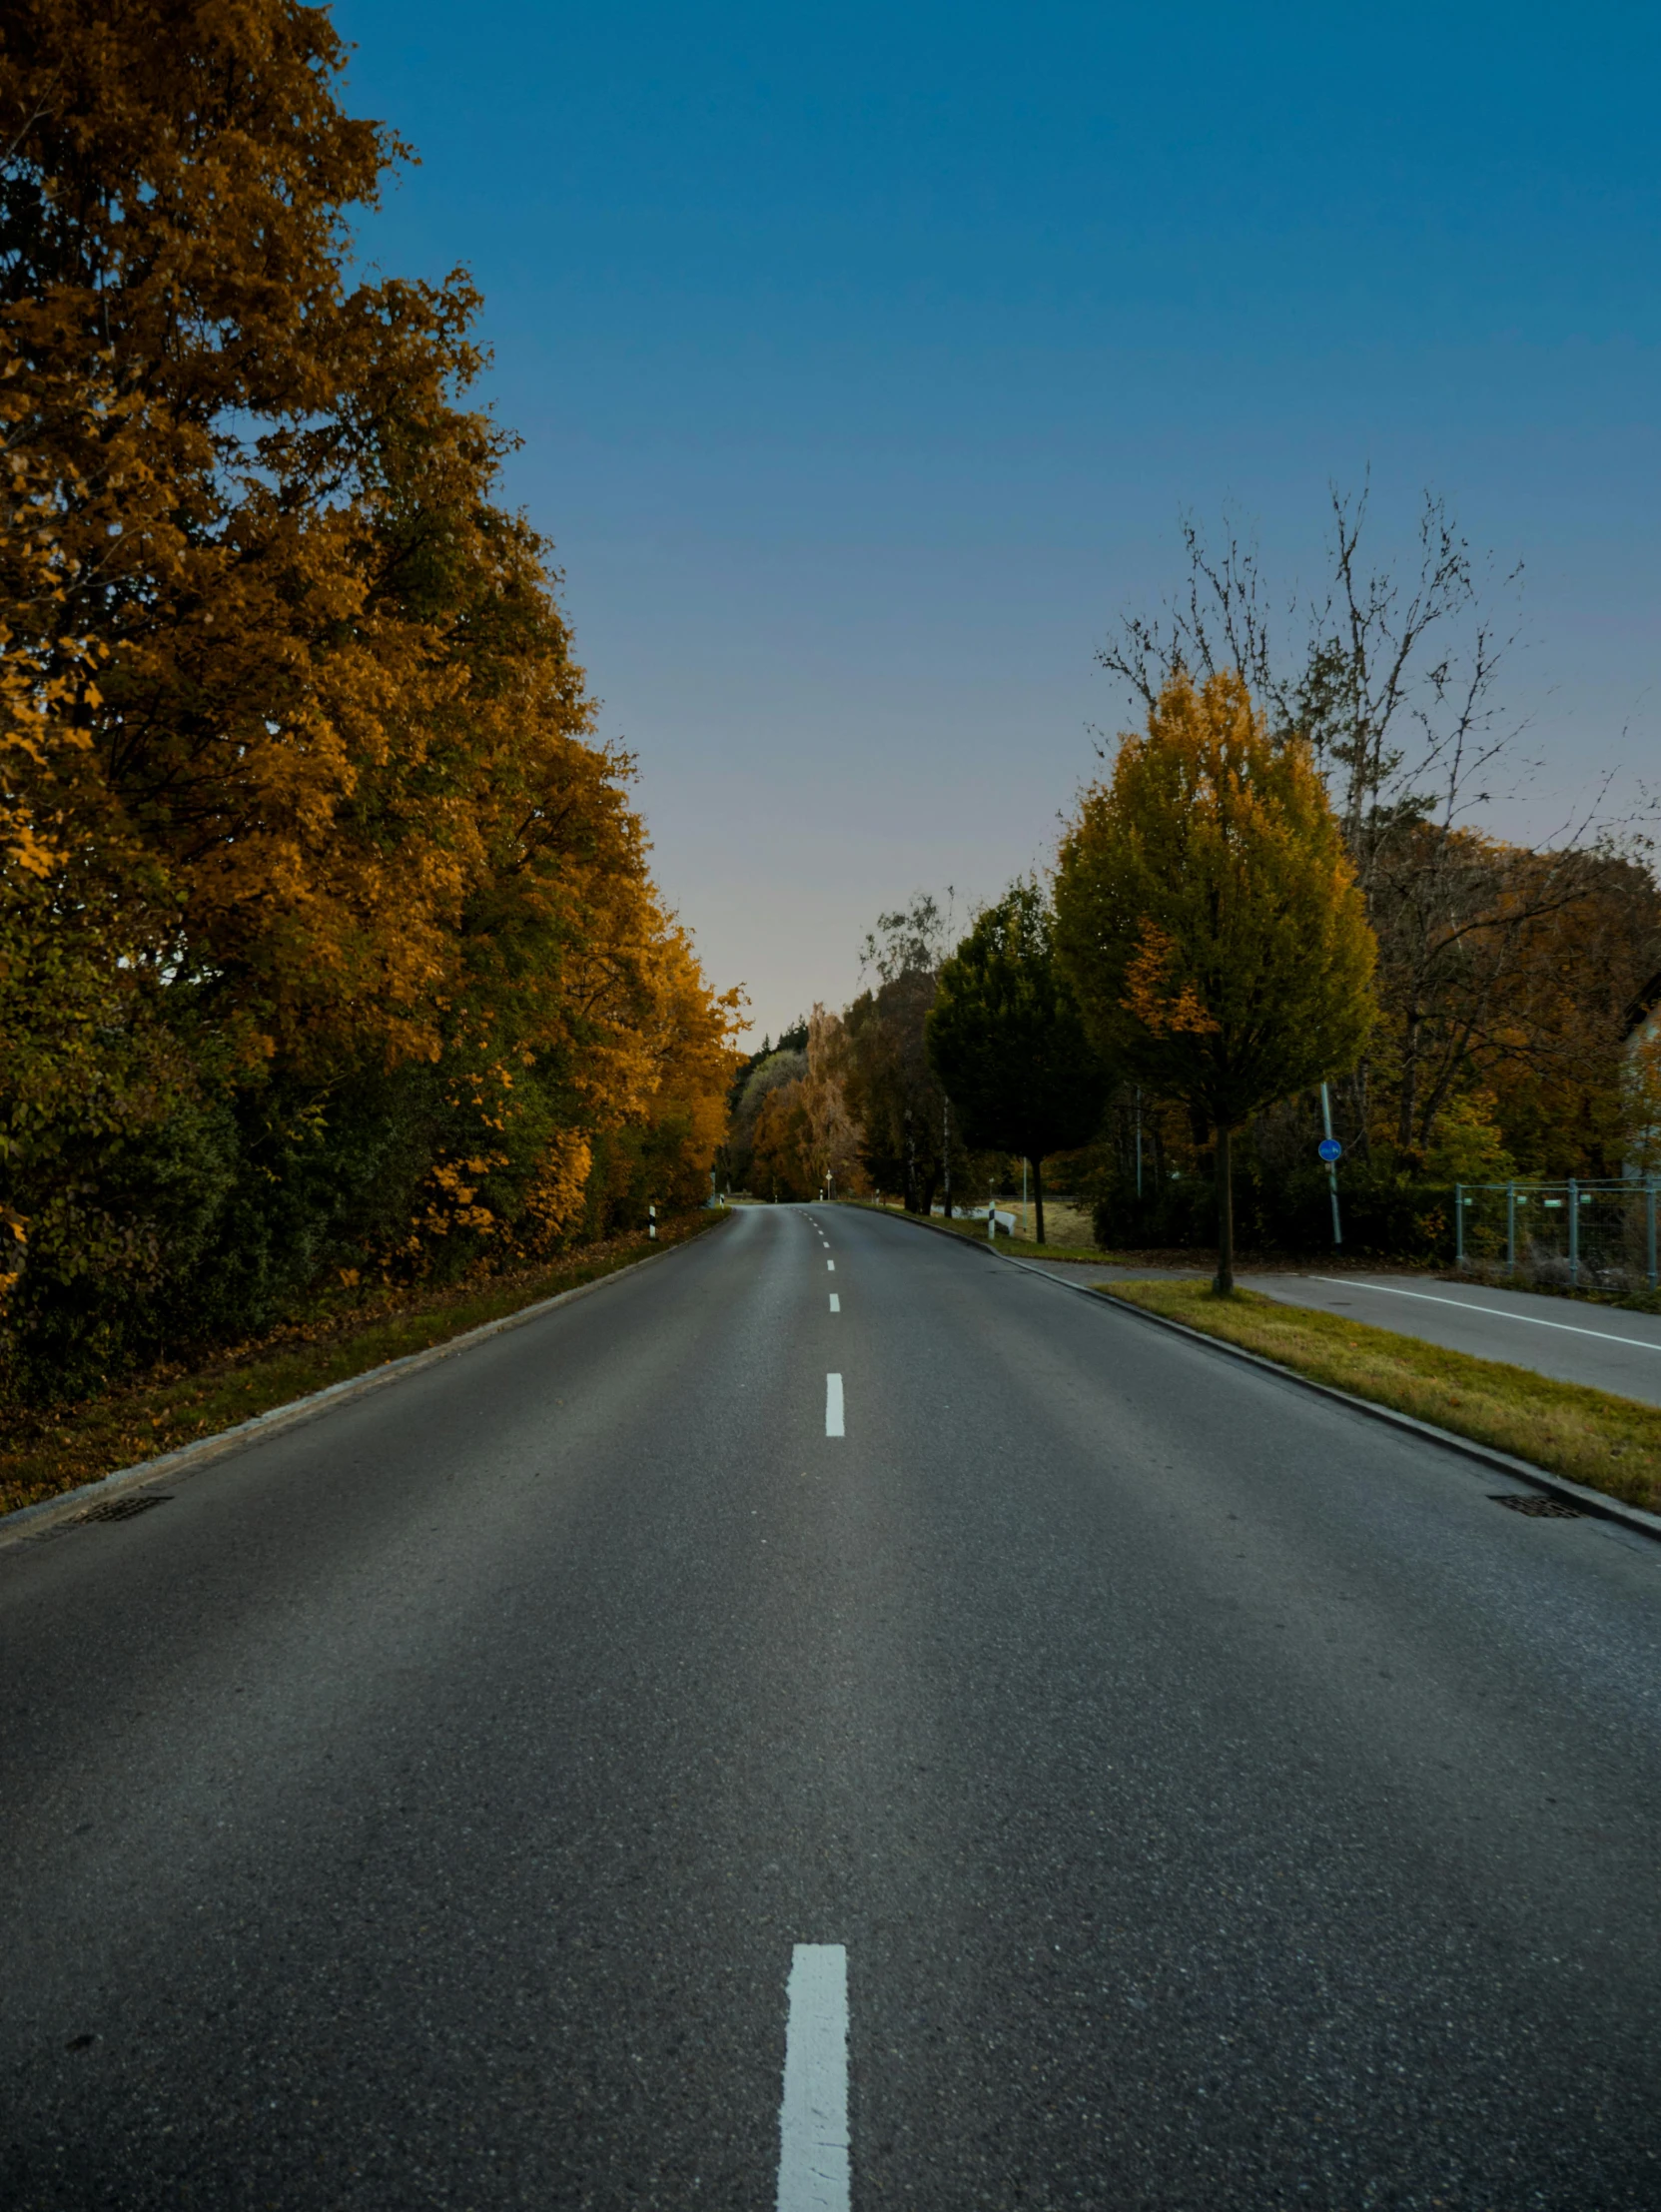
(836, 1302)
(1534, 1320)
(813, 2114)
(833, 1405)
(830, 1266)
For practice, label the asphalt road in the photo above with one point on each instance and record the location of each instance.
(1577, 1342)
(1215, 1799)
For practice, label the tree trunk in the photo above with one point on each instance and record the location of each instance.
(1037, 1193)
(1225, 1282)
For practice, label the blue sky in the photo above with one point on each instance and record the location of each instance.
(865, 360)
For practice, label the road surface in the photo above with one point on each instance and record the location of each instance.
(1604, 1346)
(554, 1779)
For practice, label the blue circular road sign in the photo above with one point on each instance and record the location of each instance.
(1330, 1150)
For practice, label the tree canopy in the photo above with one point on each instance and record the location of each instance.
(327, 933)
(1208, 915)
(1007, 1043)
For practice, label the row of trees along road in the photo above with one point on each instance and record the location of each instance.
(1279, 883)
(329, 952)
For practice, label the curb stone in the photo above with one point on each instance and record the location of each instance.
(1595, 1502)
(27, 1522)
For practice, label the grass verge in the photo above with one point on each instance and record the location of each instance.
(974, 1232)
(45, 1453)
(1608, 1443)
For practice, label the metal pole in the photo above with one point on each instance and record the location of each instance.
(990, 1215)
(1023, 1198)
(1138, 1143)
(1511, 1227)
(1459, 1224)
(1331, 1164)
(1574, 1233)
(1649, 1228)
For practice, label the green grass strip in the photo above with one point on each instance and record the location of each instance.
(44, 1454)
(1608, 1443)
(974, 1232)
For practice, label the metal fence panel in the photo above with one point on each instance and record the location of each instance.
(1583, 1236)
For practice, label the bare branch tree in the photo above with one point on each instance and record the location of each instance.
(1393, 676)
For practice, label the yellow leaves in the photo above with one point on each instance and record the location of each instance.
(1149, 994)
(1209, 913)
(336, 791)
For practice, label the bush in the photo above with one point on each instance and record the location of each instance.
(1384, 1213)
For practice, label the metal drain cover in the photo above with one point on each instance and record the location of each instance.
(1539, 1505)
(123, 1509)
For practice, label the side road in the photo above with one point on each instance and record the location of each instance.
(1603, 1347)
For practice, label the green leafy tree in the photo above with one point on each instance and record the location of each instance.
(1007, 1043)
(1208, 912)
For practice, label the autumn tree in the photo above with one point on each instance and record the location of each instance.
(782, 1164)
(326, 933)
(1391, 671)
(1007, 1043)
(834, 1135)
(1208, 914)
(769, 1069)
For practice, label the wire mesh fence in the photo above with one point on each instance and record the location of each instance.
(1585, 1235)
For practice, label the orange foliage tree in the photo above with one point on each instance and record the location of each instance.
(1209, 914)
(326, 935)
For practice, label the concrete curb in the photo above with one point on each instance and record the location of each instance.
(1595, 1502)
(27, 1522)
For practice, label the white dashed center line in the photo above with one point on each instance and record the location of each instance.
(830, 1266)
(813, 2115)
(833, 1405)
(836, 1302)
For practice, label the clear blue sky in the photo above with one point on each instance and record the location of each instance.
(866, 356)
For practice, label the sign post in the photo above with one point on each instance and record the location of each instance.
(1332, 1152)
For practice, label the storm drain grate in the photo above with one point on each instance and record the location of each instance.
(1541, 1508)
(123, 1509)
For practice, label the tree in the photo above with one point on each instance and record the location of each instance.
(1006, 1040)
(766, 1071)
(1208, 915)
(1391, 673)
(782, 1164)
(327, 932)
(891, 1092)
(834, 1135)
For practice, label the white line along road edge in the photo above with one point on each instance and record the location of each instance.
(833, 1405)
(1503, 1313)
(813, 2115)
